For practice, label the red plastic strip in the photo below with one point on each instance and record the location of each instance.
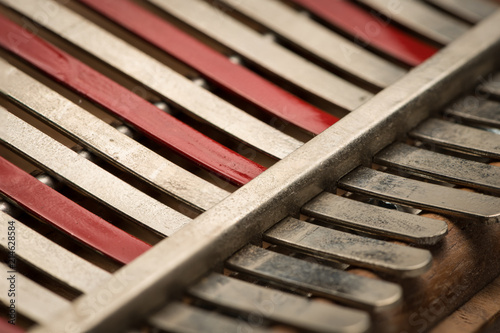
(214, 66)
(144, 116)
(370, 30)
(5, 327)
(57, 210)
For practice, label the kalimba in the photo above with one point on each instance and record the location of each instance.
(250, 165)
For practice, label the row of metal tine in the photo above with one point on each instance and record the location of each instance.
(458, 156)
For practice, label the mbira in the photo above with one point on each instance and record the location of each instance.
(250, 166)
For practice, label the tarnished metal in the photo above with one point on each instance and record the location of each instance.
(349, 248)
(479, 111)
(52, 259)
(470, 10)
(269, 55)
(439, 166)
(155, 75)
(32, 300)
(279, 306)
(181, 318)
(178, 261)
(318, 279)
(95, 182)
(103, 139)
(376, 220)
(433, 197)
(421, 18)
(319, 41)
(460, 137)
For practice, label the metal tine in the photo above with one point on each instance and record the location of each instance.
(103, 139)
(421, 18)
(361, 251)
(67, 216)
(155, 124)
(476, 110)
(458, 137)
(153, 74)
(221, 70)
(433, 197)
(182, 318)
(442, 167)
(51, 258)
(32, 300)
(268, 55)
(278, 306)
(375, 220)
(359, 291)
(321, 42)
(88, 177)
(469, 10)
(361, 24)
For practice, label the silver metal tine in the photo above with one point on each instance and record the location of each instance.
(95, 182)
(469, 10)
(113, 146)
(375, 220)
(459, 137)
(352, 249)
(51, 258)
(318, 279)
(433, 197)
(476, 110)
(319, 41)
(182, 318)
(439, 166)
(421, 18)
(270, 56)
(278, 306)
(33, 301)
(155, 75)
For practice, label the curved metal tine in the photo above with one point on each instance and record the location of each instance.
(375, 220)
(153, 74)
(366, 293)
(286, 308)
(458, 137)
(99, 184)
(469, 10)
(439, 166)
(356, 250)
(34, 301)
(320, 41)
(51, 258)
(421, 18)
(103, 139)
(475, 110)
(433, 197)
(182, 318)
(266, 54)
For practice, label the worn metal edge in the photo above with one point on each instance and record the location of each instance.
(165, 270)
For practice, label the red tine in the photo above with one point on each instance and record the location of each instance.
(370, 30)
(5, 327)
(214, 66)
(54, 208)
(144, 116)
